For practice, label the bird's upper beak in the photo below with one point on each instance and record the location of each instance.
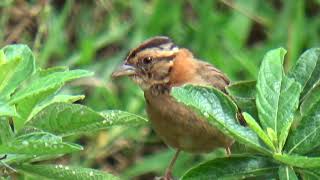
(124, 70)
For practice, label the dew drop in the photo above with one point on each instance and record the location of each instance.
(60, 166)
(46, 144)
(81, 113)
(66, 168)
(57, 166)
(73, 172)
(91, 173)
(104, 121)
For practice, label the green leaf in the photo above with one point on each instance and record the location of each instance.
(287, 173)
(220, 111)
(20, 65)
(305, 137)
(122, 118)
(242, 89)
(65, 172)
(277, 96)
(234, 167)
(307, 70)
(67, 119)
(298, 161)
(7, 110)
(310, 100)
(243, 93)
(40, 89)
(51, 81)
(38, 143)
(7, 72)
(55, 99)
(252, 123)
(26, 105)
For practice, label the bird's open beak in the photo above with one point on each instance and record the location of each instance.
(124, 70)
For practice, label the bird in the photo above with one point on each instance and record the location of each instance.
(157, 65)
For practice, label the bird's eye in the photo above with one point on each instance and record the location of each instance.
(147, 60)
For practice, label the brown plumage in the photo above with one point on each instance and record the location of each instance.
(156, 66)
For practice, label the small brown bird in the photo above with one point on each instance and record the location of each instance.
(156, 66)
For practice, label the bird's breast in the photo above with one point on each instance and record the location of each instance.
(180, 127)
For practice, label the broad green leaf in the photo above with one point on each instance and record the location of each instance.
(65, 172)
(234, 167)
(242, 89)
(243, 93)
(305, 137)
(7, 110)
(66, 119)
(26, 105)
(116, 118)
(51, 81)
(277, 96)
(220, 111)
(287, 173)
(40, 89)
(18, 73)
(298, 161)
(55, 99)
(7, 72)
(310, 100)
(252, 123)
(38, 143)
(307, 70)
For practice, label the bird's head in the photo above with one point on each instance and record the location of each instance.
(150, 63)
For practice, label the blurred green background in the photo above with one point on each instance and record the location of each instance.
(95, 35)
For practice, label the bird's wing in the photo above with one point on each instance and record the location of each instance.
(217, 79)
(212, 76)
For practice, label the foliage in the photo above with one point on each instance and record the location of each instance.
(35, 118)
(283, 134)
(95, 35)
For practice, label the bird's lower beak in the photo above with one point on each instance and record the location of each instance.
(124, 70)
